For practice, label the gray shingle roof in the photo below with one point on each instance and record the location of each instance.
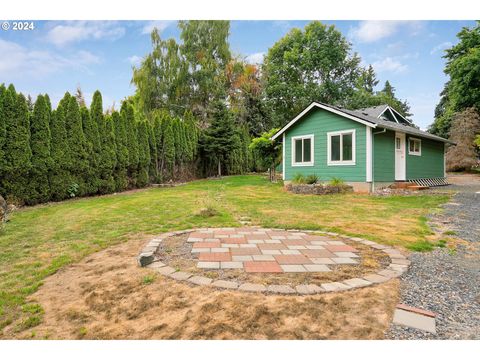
(384, 124)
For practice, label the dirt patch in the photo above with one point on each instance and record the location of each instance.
(106, 296)
(176, 252)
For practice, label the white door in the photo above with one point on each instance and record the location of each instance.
(400, 150)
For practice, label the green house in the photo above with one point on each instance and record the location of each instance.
(367, 148)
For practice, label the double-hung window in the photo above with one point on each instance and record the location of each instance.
(302, 150)
(341, 147)
(414, 146)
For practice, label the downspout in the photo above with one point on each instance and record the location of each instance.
(373, 155)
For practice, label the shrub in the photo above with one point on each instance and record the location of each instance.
(298, 179)
(337, 181)
(311, 179)
(73, 190)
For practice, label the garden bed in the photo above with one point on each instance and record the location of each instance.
(318, 189)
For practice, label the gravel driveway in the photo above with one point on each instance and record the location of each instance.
(444, 282)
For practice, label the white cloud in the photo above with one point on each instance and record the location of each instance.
(23, 62)
(256, 58)
(134, 60)
(74, 31)
(389, 64)
(440, 47)
(159, 24)
(374, 30)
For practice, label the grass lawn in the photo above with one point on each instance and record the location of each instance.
(40, 240)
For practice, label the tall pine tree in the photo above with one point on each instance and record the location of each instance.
(143, 153)
(121, 142)
(3, 138)
(132, 143)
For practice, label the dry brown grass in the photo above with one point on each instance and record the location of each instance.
(103, 297)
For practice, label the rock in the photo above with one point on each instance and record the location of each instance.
(145, 259)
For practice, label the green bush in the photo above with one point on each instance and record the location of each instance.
(298, 179)
(311, 179)
(337, 181)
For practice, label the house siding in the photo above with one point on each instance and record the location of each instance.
(383, 156)
(319, 122)
(430, 164)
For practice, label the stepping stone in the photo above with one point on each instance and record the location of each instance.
(205, 244)
(335, 243)
(291, 252)
(231, 265)
(242, 258)
(208, 265)
(292, 259)
(357, 282)
(263, 258)
(323, 261)
(317, 253)
(248, 245)
(414, 320)
(273, 242)
(340, 248)
(335, 286)
(271, 252)
(215, 257)
(165, 270)
(200, 280)
(375, 278)
(315, 247)
(344, 261)
(201, 250)
(317, 268)
(262, 266)
(220, 250)
(281, 289)
(156, 265)
(346, 254)
(308, 289)
(292, 268)
(225, 284)
(252, 287)
(180, 275)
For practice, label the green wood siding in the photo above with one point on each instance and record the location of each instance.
(429, 164)
(383, 156)
(319, 122)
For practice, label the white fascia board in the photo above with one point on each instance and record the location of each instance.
(324, 107)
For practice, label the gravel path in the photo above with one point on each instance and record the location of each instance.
(444, 282)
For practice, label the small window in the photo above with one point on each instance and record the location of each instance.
(398, 143)
(302, 150)
(341, 148)
(415, 146)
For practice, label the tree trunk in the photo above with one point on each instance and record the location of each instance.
(219, 168)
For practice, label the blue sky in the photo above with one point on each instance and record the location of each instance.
(57, 56)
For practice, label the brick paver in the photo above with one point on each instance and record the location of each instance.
(265, 250)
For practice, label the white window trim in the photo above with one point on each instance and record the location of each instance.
(329, 148)
(312, 142)
(415, 153)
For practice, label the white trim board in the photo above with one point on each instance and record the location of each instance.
(324, 107)
(283, 157)
(369, 149)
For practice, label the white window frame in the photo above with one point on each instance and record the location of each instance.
(331, 162)
(312, 142)
(416, 153)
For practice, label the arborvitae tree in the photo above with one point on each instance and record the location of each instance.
(40, 143)
(76, 145)
(168, 149)
(3, 138)
(110, 152)
(220, 139)
(158, 133)
(121, 141)
(92, 144)
(59, 177)
(152, 171)
(132, 143)
(143, 153)
(17, 146)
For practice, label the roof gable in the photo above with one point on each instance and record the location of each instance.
(324, 107)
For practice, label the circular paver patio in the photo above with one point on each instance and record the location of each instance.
(272, 251)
